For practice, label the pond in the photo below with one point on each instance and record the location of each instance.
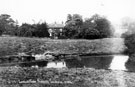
(111, 62)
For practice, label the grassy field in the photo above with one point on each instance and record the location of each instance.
(15, 45)
(76, 77)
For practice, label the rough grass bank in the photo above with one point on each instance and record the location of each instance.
(76, 77)
(15, 45)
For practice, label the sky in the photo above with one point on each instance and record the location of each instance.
(34, 11)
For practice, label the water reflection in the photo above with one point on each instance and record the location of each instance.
(98, 62)
(118, 62)
(33, 63)
(58, 64)
(114, 62)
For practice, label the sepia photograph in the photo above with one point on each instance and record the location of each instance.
(67, 43)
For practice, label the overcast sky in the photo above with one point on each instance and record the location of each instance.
(57, 10)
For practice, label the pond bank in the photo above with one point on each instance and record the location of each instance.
(15, 45)
(75, 77)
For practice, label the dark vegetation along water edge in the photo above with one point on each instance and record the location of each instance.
(14, 46)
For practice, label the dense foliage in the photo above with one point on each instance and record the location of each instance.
(34, 30)
(9, 27)
(73, 26)
(95, 27)
(129, 36)
(7, 24)
(130, 43)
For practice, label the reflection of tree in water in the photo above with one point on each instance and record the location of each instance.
(130, 65)
(34, 63)
(90, 62)
(74, 63)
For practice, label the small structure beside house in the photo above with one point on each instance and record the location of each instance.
(55, 30)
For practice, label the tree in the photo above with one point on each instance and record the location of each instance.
(7, 24)
(69, 18)
(33, 30)
(97, 27)
(129, 39)
(89, 31)
(104, 27)
(25, 30)
(73, 26)
(41, 30)
(130, 44)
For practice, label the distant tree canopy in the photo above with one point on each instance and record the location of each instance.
(10, 27)
(34, 30)
(7, 24)
(73, 26)
(130, 26)
(95, 27)
(25, 30)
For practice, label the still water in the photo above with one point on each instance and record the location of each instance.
(113, 62)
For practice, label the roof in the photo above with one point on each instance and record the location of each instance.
(55, 25)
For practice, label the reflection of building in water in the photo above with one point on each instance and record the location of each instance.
(97, 62)
(55, 30)
(60, 64)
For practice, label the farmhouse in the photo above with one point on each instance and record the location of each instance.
(55, 30)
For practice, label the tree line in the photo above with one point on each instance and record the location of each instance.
(10, 27)
(95, 27)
